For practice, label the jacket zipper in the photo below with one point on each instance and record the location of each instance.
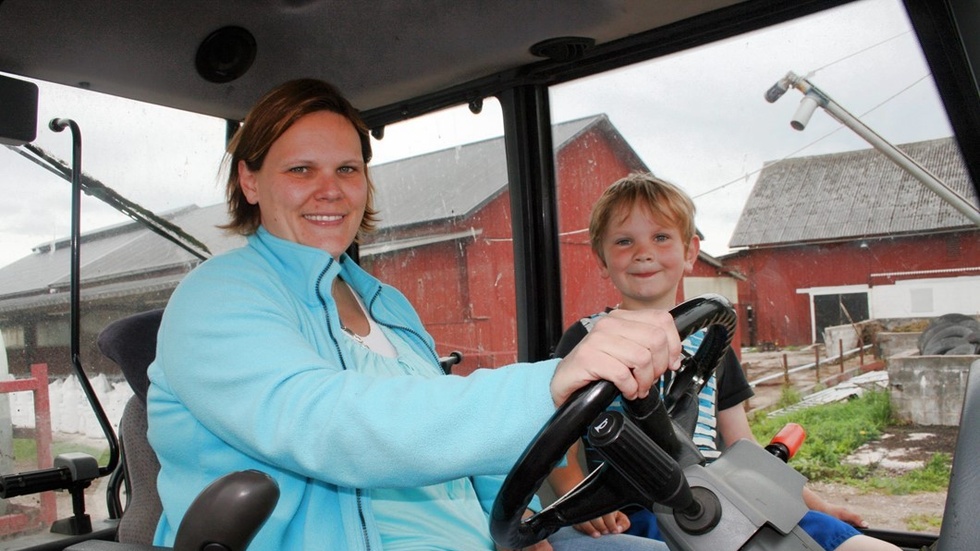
(326, 314)
(343, 364)
(360, 515)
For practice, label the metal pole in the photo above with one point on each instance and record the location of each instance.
(814, 97)
(59, 125)
(816, 363)
(840, 346)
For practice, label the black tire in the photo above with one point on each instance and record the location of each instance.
(944, 329)
(965, 349)
(939, 345)
(937, 324)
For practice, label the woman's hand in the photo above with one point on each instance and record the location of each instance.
(631, 349)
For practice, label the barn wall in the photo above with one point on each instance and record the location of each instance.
(775, 275)
(586, 167)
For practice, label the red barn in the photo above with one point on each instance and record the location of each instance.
(834, 239)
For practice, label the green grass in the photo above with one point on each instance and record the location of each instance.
(835, 430)
(25, 451)
(924, 523)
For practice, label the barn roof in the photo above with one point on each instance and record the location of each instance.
(852, 195)
(469, 175)
(121, 258)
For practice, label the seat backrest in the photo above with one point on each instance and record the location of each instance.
(131, 343)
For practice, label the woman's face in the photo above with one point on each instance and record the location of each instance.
(312, 188)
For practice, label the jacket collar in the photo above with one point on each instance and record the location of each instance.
(308, 269)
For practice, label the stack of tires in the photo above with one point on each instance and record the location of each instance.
(951, 335)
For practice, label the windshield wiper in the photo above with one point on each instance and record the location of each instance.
(107, 195)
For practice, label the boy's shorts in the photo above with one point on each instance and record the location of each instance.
(826, 530)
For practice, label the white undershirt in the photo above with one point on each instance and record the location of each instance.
(375, 340)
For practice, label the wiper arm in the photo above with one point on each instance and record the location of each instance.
(107, 195)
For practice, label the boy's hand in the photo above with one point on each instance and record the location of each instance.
(612, 523)
(631, 349)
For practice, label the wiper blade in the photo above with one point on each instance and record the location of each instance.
(107, 195)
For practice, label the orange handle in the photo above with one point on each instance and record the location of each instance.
(791, 436)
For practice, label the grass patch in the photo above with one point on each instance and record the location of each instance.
(788, 396)
(933, 477)
(25, 451)
(924, 523)
(835, 430)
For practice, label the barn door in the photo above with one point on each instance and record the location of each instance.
(838, 309)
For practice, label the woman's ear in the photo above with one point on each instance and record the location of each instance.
(691, 254)
(246, 180)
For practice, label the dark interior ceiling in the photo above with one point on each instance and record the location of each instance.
(378, 52)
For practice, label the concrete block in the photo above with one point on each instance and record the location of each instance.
(928, 390)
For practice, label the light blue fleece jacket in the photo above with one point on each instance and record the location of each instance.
(251, 373)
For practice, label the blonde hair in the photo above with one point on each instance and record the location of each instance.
(266, 122)
(663, 199)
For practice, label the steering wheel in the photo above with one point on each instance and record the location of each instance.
(644, 447)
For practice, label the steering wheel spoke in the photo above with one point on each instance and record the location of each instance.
(603, 491)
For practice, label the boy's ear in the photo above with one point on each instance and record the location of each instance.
(691, 255)
(603, 269)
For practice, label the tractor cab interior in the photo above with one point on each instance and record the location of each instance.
(832, 148)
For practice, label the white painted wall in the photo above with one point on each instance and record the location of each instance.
(724, 286)
(926, 297)
(911, 298)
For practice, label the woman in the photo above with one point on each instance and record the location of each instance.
(285, 357)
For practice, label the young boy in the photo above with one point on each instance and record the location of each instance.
(643, 236)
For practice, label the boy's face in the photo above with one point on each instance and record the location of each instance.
(646, 258)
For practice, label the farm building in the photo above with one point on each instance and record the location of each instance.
(835, 239)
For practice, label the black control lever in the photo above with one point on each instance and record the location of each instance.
(641, 461)
(646, 450)
(650, 414)
(73, 472)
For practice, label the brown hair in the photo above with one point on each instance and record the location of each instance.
(266, 122)
(661, 198)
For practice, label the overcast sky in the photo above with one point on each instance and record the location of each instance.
(696, 118)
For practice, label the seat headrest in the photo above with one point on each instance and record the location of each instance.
(131, 342)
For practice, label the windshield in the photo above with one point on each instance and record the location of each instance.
(805, 231)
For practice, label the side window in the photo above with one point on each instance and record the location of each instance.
(785, 215)
(808, 232)
(154, 159)
(445, 233)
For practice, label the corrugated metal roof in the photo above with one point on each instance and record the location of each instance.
(852, 195)
(466, 177)
(120, 251)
